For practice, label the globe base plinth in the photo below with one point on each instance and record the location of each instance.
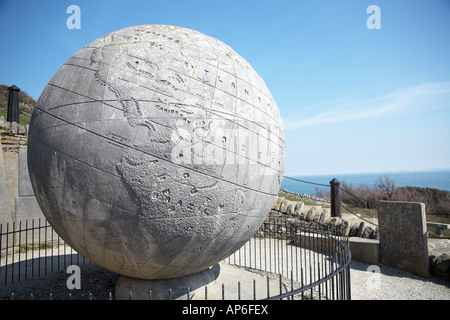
(166, 289)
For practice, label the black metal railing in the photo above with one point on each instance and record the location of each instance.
(31, 249)
(298, 259)
(312, 261)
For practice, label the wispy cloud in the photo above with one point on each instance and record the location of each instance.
(418, 98)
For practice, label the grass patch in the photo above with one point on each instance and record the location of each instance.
(431, 234)
(290, 198)
(23, 119)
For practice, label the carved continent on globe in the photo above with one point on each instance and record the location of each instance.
(156, 151)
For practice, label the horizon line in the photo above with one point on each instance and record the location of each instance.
(370, 172)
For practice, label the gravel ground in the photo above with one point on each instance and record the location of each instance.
(94, 280)
(387, 283)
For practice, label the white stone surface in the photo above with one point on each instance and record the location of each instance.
(156, 151)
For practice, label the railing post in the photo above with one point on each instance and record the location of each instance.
(13, 104)
(335, 198)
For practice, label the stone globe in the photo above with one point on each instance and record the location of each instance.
(156, 151)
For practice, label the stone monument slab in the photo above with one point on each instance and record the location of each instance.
(403, 236)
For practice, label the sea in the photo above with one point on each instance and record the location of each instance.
(439, 179)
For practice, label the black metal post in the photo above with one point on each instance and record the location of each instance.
(335, 198)
(13, 104)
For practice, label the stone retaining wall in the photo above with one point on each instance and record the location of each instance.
(17, 200)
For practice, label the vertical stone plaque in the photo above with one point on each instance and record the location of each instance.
(5, 206)
(25, 188)
(403, 236)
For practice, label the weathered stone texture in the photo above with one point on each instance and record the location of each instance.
(156, 151)
(403, 236)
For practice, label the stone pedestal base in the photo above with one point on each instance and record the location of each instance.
(176, 289)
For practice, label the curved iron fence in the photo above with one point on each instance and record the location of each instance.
(31, 249)
(312, 262)
(298, 259)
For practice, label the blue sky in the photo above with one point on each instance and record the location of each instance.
(352, 99)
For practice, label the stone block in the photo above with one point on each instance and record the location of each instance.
(14, 127)
(361, 229)
(299, 207)
(365, 250)
(21, 130)
(316, 242)
(27, 208)
(312, 211)
(353, 230)
(403, 236)
(368, 232)
(284, 205)
(440, 266)
(11, 173)
(335, 222)
(317, 216)
(290, 208)
(324, 216)
(276, 204)
(25, 187)
(5, 207)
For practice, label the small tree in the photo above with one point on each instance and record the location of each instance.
(386, 185)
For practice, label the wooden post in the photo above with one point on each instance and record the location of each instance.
(335, 198)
